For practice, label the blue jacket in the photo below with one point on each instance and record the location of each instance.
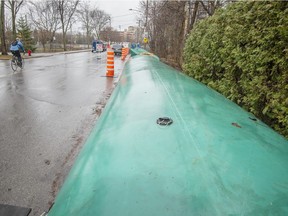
(17, 45)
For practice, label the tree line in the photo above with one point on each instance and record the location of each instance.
(168, 23)
(46, 18)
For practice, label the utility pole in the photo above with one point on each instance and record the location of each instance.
(138, 31)
(146, 20)
(146, 14)
(110, 30)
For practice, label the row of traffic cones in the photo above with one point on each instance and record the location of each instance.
(110, 60)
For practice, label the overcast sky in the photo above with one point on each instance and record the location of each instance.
(122, 17)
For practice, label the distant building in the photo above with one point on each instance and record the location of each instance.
(128, 35)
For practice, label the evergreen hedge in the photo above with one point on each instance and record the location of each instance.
(242, 52)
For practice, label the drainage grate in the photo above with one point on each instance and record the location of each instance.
(165, 121)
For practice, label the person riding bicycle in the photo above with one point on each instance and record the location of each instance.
(15, 48)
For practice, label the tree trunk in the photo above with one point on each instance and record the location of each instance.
(87, 39)
(13, 14)
(181, 37)
(64, 40)
(3, 38)
(194, 15)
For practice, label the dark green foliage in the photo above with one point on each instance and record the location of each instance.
(24, 32)
(242, 52)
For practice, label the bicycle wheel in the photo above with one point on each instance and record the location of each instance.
(14, 65)
(22, 66)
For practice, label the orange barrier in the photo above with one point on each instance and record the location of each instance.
(110, 63)
(125, 52)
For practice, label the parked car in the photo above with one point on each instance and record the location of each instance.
(117, 49)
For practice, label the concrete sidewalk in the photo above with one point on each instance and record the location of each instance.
(39, 55)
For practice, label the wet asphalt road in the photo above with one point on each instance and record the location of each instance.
(47, 111)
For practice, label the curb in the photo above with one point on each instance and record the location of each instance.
(40, 55)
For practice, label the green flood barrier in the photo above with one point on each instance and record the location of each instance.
(209, 157)
(140, 51)
(137, 51)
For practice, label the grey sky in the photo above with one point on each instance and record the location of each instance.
(122, 17)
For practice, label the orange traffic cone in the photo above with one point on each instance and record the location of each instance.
(125, 52)
(110, 63)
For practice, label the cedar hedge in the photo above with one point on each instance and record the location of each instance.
(242, 52)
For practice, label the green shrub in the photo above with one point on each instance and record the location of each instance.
(242, 52)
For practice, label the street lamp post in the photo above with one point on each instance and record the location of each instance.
(131, 9)
(138, 27)
(146, 13)
(109, 30)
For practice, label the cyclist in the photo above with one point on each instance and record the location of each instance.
(15, 48)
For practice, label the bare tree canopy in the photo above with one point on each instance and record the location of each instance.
(66, 9)
(44, 16)
(100, 19)
(164, 22)
(14, 6)
(84, 17)
(168, 22)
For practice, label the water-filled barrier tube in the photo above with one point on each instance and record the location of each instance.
(168, 145)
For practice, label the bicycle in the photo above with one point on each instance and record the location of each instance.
(15, 63)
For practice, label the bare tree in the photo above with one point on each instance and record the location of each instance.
(168, 23)
(154, 25)
(14, 6)
(165, 27)
(66, 9)
(193, 9)
(44, 16)
(100, 19)
(114, 35)
(211, 6)
(107, 34)
(173, 31)
(86, 20)
(2, 28)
